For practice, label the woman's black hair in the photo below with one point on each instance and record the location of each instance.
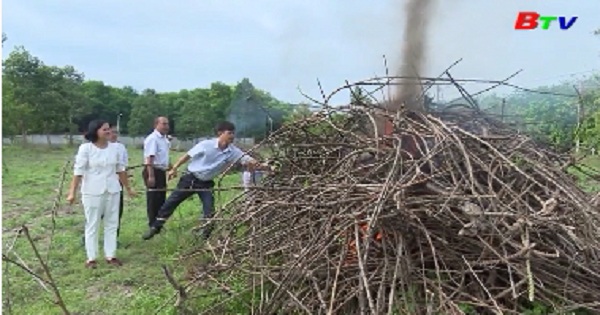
(92, 132)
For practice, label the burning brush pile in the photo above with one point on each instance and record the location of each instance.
(451, 212)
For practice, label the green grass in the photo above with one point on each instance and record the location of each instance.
(30, 180)
(587, 183)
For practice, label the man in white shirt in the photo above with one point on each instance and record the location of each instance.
(156, 161)
(209, 158)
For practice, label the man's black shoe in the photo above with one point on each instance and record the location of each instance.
(159, 230)
(150, 233)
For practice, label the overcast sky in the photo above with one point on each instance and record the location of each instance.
(283, 45)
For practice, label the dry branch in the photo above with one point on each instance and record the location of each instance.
(453, 208)
(181, 294)
(56, 205)
(59, 301)
(47, 281)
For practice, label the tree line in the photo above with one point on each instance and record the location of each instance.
(565, 115)
(561, 114)
(46, 99)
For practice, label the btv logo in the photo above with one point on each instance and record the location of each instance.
(531, 20)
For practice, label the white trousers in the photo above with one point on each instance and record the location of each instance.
(248, 180)
(95, 206)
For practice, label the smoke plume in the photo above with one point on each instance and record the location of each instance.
(413, 53)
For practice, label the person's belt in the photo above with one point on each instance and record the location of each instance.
(160, 167)
(186, 172)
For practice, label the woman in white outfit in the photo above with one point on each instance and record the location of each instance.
(100, 170)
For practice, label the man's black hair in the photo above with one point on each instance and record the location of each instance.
(224, 126)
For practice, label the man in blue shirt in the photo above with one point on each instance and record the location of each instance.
(209, 158)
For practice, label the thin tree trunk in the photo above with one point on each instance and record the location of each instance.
(47, 133)
(71, 130)
(23, 133)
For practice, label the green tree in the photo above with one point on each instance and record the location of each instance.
(51, 99)
(300, 111)
(25, 81)
(107, 102)
(255, 112)
(247, 110)
(70, 87)
(143, 111)
(590, 130)
(39, 98)
(220, 96)
(56, 99)
(122, 102)
(358, 96)
(10, 111)
(195, 115)
(552, 115)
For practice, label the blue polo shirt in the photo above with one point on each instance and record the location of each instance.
(208, 160)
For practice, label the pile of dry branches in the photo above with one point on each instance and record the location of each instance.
(452, 211)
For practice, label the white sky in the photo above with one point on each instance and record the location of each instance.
(280, 45)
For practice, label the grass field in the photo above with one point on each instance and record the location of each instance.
(587, 183)
(30, 180)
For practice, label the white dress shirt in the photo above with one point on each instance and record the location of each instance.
(157, 145)
(124, 154)
(98, 168)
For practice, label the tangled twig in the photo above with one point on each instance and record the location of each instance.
(59, 301)
(46, 282)
(56, 205)
(451, 209)
(181, 293)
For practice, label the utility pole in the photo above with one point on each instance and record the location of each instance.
(579, 116)
(502, 109)
(269, 126)
(119, 123)
(578, 127)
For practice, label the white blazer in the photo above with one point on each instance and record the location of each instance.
(98, 168)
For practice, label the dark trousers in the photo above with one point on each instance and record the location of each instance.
(120, 211)
(155, 199)
(188, 181)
